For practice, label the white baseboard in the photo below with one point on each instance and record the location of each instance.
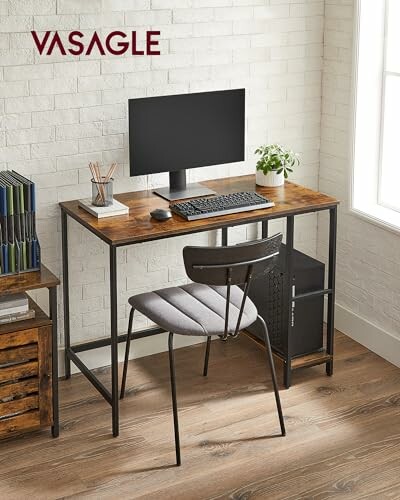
(98, 358)
(367, 334)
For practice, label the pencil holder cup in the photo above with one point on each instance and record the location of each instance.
(102, 192)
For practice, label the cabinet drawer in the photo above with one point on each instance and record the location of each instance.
(25, 380)
(18, 354)
(14, 339)
(19, 388)
(19, 371)
(24, 421)
(21, 405)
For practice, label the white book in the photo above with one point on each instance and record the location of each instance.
(14, 310)
(14, 300)
(116, 208)
(12, 318)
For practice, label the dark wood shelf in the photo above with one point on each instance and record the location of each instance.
(41, 319)
(24, 282)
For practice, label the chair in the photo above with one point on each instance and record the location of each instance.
(212, 305)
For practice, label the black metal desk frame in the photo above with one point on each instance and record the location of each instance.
(55, 428)
(112, 397)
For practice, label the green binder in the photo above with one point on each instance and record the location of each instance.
(12, 268)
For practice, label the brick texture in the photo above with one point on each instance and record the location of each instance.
(58, 113)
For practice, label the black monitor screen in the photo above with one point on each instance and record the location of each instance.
(186, 131)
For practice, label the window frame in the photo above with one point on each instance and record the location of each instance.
(372, 209)
(385, 74)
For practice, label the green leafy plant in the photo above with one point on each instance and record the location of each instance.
(275, 158)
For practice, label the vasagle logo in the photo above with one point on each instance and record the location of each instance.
(116, 43)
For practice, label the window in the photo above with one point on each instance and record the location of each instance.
(390, 166)
(376, 174)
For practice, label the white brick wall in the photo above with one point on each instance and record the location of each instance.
(58, 113)
(368, 277)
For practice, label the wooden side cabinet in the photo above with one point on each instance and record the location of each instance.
(28, 361)
(25, 377)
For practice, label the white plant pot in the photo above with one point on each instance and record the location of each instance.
(272, 179)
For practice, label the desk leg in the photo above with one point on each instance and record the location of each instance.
(287, 375)
(114, 341)
(264, 229)
(331, 285)
(224, 236)
(54, 358)
(67, 340)
(224, 243)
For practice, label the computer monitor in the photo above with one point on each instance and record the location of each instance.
(173, 133)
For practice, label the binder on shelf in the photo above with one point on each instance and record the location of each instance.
(20, 248)
(24, 260)
(19, 216)
(3, 232)
(32, 242)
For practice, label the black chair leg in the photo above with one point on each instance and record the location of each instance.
(205, 370)
(173, 393)
(273, 374)
(128, 345)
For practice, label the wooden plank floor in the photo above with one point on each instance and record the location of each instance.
(343, 438)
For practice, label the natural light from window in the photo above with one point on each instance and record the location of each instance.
(376, 174)
(390, 162)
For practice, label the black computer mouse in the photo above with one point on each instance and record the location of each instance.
(161, 214)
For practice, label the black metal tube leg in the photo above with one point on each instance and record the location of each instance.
(205, 370)
(173, 393)
(287, 374)
(55, 429)
(289, 305)
(264, 229)
(128, 346)
(67, 340)
(114, 341)
(331, 285)
(224, 243)
(224, 236)
(273, 375)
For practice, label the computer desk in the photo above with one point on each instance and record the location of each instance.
(138, 227)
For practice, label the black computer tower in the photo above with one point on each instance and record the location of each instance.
(268, 292)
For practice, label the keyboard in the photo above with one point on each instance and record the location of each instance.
(224, 204)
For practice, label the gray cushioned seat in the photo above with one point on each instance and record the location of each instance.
(194, 309)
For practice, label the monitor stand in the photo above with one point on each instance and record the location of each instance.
(179, 190)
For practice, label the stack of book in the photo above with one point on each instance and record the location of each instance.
(116, 208)
(20, 249)
(15, 308)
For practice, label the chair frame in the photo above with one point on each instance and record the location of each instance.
(245, 260)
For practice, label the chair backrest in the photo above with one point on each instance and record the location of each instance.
(231, 265)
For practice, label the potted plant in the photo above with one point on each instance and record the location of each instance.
(274, 165)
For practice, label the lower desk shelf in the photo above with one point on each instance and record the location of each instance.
(25, 374)
(313, 359)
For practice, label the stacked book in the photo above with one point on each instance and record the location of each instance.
(19, 245)
(116, 208)
(15, 308)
